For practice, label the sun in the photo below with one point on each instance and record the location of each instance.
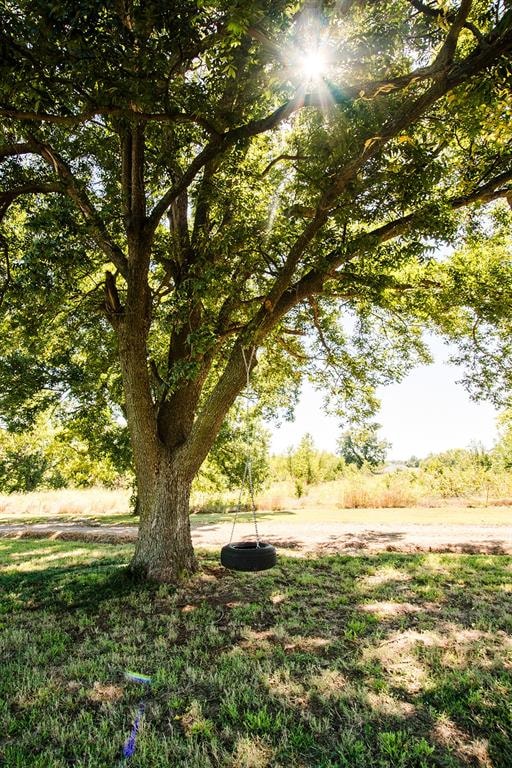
(312, 64)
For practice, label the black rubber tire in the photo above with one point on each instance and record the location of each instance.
(248, 556)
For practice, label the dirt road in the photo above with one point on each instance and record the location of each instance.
(299, 538)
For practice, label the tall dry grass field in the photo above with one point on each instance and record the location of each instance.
(358, 492)
(66, 503)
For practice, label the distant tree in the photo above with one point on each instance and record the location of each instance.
(303, 460)
(362, 446)
(458, 472)
(502, 452)
(53, 454)
(241, 437)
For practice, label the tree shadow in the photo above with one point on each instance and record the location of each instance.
(196, 521)
(334, 661)
(67, 587)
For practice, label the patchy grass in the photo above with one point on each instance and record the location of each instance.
(389, 661)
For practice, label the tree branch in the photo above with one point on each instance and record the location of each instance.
(215, 147)
(233, 377)
(447, 52)
(36, 187)
(278, 160)
(449, 16)
(82, 202)
(14, 150)
(409, 114)
(313, 281)
(101, 111)
(7, 279)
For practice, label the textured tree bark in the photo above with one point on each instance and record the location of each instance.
(164, 551)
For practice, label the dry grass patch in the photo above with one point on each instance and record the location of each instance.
(252, 639)
(281, 684)
(105, 693)
(386, 705)
(389, 610)
(398, 657)
(306, 644)
(329, 683)
(277, 598)
(471, 751)
(65, 503)
(385, 575)
(251, 753)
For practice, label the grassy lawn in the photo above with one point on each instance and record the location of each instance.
(388, 661)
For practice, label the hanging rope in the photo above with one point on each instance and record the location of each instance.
(247, 476)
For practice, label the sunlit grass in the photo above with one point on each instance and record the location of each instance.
(388, 661)
(320, 503)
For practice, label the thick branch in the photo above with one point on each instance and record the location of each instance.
(202, 202)
(217, 146)
(14, 150)
(449, 46)
(213, 412)
(137, 184)
(36, 187)
(81, 200)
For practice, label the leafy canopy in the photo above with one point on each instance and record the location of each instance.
(170, 176)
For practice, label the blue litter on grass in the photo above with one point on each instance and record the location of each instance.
(137, 677)
(130, 743)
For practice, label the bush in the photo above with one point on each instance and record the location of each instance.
(49, 456)
(461, 472)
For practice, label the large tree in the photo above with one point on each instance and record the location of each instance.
(230, 174)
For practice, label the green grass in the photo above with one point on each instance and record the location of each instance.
(389, 661)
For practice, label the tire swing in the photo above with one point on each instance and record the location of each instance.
(254, 555)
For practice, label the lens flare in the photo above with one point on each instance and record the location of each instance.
(313, 64)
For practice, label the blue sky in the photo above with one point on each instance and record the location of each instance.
(426, 413)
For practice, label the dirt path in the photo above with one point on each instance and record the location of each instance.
(314, 537)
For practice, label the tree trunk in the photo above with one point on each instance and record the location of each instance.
(164, 549)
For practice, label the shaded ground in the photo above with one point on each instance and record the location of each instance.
(324, 538)
(368, 661)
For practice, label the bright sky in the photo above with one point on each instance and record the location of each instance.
(426, 413)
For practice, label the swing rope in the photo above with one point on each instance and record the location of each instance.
(247, 475)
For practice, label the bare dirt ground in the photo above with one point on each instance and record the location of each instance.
(320, 538)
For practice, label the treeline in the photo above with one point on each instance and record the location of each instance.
(451, 474)
(56, 455)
